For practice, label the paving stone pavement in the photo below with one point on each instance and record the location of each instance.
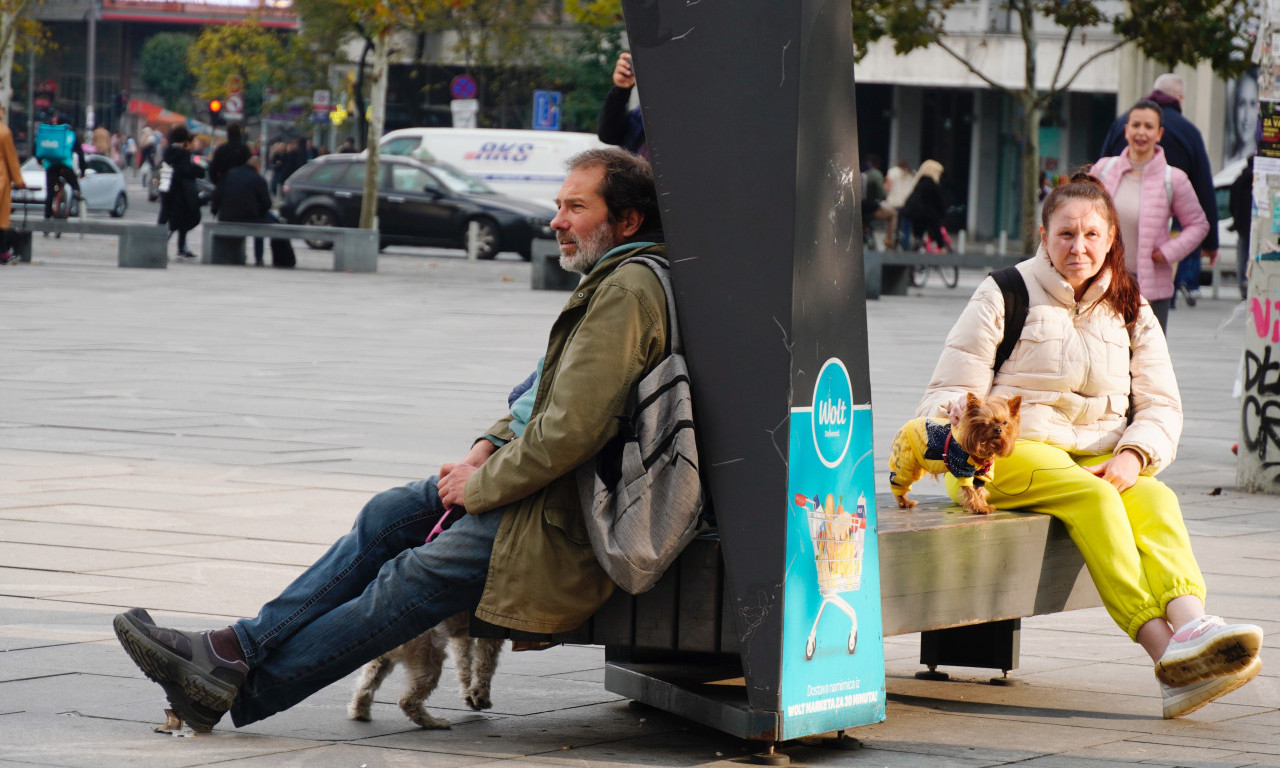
(188, 439)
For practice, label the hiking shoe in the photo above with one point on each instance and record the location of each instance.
(1189, 698)
(1207, 648)
(199, 683)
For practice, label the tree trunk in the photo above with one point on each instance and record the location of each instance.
(1030, 175)
(1030, 129)
(381, 54)
(8, 20)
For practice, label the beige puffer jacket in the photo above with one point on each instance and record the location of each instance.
(1075, 366)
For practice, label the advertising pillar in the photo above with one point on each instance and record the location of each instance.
(749, 114)
(1258, 465)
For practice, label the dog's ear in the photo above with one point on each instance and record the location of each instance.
(1014, 404)
(971, 401)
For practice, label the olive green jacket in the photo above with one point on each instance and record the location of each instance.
(543, 574)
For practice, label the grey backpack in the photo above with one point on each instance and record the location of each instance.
(642, 495)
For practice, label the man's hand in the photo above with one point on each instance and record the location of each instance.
(453, 483)
(1211, 255)
(624, 75)
(453, 477)
(1120, 470)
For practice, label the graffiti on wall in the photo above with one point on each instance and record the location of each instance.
(1260, 417)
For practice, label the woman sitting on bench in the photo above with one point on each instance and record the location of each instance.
(1101, 415)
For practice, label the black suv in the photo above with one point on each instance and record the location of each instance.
(431, 204)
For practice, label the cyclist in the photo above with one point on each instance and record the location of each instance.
(59, 150)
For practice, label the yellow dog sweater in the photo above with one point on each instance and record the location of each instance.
(925, 445)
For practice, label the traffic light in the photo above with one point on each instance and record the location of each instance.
(215, 112)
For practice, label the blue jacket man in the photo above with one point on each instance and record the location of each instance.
(1183, 148)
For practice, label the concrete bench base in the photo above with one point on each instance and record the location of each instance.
(354, 250)
(138, 244)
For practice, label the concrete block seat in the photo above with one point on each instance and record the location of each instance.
(354, 250)
(138, 243)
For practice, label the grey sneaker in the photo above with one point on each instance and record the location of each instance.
(200, 684)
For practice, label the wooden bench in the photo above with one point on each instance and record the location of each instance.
(963, 581)
(354, 250)
(889, 272)
(138, 243)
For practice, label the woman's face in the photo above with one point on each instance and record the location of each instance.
(1077, 241)
(1246, 109)
(1143, 132)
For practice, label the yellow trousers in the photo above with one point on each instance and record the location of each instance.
(1134, 543)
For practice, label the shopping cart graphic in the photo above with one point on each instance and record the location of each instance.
(838, 538)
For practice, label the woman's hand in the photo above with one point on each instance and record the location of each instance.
(1120, 470)
(1158, 257)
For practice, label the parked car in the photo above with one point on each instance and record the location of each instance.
(203, 185)
(103, 186)
(432, 204)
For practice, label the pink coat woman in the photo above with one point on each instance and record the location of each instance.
(1155, 280)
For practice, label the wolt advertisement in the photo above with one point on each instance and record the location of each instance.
(832, 649)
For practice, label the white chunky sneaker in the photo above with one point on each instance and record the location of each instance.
(1188, 698)
(1208, 648)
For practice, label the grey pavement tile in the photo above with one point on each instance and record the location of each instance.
(921, 731)
(78, 559)
(1144, 752)
(100, 535)
(16, 582)
(350, 756)
(253, 551)
(543, 734)
(557, 660)
(37, 739)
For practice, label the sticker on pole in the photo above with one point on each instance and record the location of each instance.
(832, 413)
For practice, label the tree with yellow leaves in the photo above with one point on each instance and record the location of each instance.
(245, 54)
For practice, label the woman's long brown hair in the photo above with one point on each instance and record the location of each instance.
(1122, 294)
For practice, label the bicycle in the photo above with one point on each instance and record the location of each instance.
(65, 200)
(950, 274)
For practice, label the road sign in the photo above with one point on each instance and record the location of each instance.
(546, 110)
(233, 107)
(463, 87)
(321, 101)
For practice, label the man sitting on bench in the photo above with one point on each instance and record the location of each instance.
(520, 559)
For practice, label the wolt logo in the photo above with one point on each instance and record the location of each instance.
(832, 413)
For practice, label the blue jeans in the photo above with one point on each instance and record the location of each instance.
(377, 587)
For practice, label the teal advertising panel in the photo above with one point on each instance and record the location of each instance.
(832, 649)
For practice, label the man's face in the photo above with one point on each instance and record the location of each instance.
(582, 220)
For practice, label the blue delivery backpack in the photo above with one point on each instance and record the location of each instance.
(55, 144)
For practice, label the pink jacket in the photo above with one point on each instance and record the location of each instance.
(1155, 281)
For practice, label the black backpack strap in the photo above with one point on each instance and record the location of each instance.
(1016, 300)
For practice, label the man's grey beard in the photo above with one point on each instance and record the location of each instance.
(590, 249)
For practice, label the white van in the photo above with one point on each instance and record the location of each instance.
(525, 164)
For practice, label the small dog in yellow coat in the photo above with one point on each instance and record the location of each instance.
(985, 430)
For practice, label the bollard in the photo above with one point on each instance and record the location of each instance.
(960, 242)
(1003, 248)
(473, 241)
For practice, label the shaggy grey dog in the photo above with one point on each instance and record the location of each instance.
(423, 658)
